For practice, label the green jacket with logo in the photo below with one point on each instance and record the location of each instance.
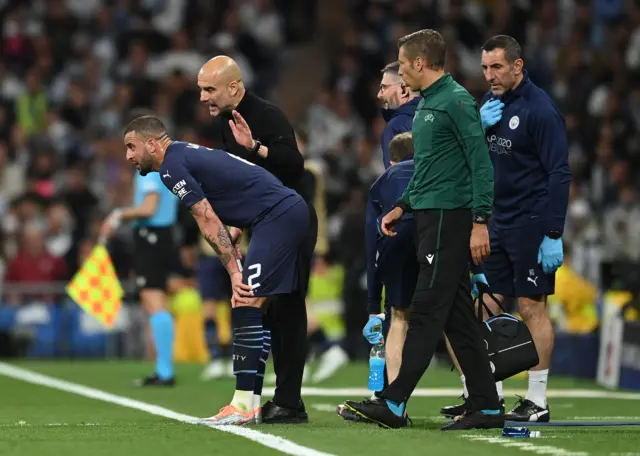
(453, 168)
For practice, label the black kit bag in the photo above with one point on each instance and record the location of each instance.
(509, 342)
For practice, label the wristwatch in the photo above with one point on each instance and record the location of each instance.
(403, 206)
(481, 218)
(554, 234)
(256, 147)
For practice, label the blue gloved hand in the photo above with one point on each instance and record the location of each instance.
(475, 280)
(550, 254)
(491, 113)
(372, 331)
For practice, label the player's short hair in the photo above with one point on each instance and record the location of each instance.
(148, 126)
(427, 43)
(401, 147)
(393, 68)
(511, 47)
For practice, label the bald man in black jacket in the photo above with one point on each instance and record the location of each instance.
(259, 132)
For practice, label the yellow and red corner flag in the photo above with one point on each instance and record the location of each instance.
(96, 288)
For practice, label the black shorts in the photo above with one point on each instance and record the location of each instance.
(154, 256)
(398, 266)
(512, 269)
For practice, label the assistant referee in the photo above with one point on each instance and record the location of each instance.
(259, 132)
(153, 213)
(450, 194)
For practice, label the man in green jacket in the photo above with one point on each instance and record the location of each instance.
(450, 195)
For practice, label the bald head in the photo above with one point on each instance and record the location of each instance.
(220, 83)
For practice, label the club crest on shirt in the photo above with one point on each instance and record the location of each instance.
(514, 122)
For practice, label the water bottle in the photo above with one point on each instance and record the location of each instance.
(519, 433)
(377, 363)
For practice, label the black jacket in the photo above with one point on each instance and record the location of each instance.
(271, 127)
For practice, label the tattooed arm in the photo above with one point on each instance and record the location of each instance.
(216, 235)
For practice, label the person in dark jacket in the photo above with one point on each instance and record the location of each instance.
(399, 107)
(257, 131)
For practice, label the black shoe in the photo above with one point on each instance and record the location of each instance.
(154, 380)
(525, 410)
(475, 420)
(377, 411)
(274, 414)
(302, 412)
(350, 415)
(452, 411)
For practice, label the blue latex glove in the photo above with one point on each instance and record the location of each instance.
(475, 280)
(491, 113)
(372, 331)
(550, 254)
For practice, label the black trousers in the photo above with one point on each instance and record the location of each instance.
(442, 301)
(287, 318)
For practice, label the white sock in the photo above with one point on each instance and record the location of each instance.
(465, 392)
(499, 390)
(243, 400)
(257, 401)
(537, 392)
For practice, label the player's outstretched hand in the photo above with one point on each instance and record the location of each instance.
(242, 293)
(480, 247)
(241, 131)
(389, 221)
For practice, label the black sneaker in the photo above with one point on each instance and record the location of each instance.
(349, 415)
(475, 420)
(154, 380)
(525, 410)
(272, 413)
(452, 411)
(377, 411)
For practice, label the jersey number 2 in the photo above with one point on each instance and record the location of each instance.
(257, 267)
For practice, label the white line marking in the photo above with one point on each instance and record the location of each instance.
(268, 440)
(526, 446)
(604, 418)
(23, 423)
(325, 407)
(455, 392)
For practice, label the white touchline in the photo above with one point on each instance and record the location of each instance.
(269, 440)
(454, 392)
(526, 446)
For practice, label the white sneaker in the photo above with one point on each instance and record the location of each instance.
(215, 369)
(332, 360)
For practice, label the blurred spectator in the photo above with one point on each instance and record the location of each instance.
(34, 264)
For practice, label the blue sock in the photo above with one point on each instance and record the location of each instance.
(211, 335)
(491, 412)
(262, 365)
(162, 331)
(397, 409)
(248, 339)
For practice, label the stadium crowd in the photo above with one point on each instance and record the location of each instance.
(72, 71)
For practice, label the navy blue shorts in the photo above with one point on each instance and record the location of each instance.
(271, 265)
(512, 269)
(398, 268)
(213, 279)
